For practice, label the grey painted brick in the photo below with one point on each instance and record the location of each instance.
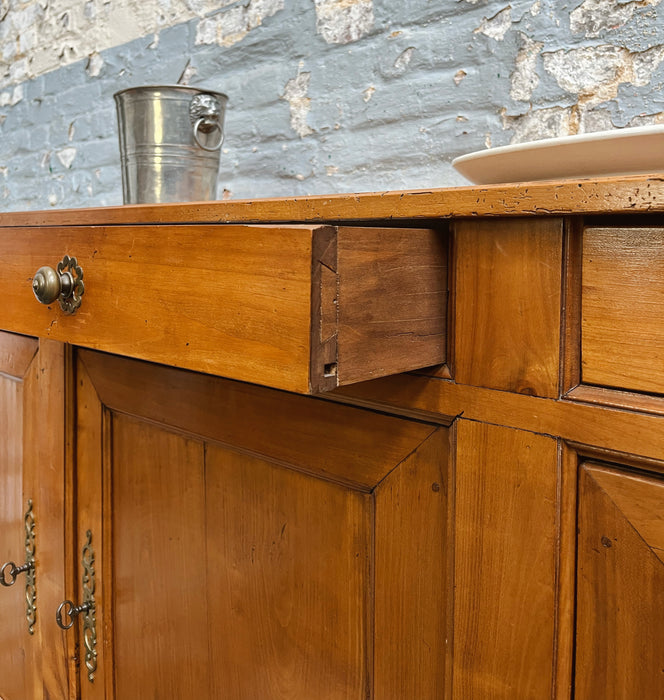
(108, 178)
(37, 137)
(97, 153)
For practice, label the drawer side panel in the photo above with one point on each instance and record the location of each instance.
(392, 301)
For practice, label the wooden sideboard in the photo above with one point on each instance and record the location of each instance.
(399, 446)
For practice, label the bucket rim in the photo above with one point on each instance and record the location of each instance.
(184, 88)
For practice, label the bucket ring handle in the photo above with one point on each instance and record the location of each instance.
(208, 122)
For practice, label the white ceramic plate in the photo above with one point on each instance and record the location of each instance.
(631, 151)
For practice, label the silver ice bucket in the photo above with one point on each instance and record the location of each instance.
(170, 141)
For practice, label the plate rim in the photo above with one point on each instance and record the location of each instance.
(557, 141)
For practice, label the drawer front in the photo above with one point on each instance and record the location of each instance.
(231, 299)
(260, 304)
(622, 327)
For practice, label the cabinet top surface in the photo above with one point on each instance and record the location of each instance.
(634, 194)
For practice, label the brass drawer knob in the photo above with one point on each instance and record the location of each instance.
(64, 284)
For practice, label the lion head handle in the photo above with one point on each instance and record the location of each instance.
(207, 108)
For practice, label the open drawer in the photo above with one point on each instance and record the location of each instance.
(300, 308)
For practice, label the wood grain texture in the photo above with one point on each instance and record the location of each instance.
(426, 398)
(92, 455)
(228, 300)
(566, 575)
(329, 305)
(311, 435)
(413, 588)
(623, 308)
(618, 398)
(641, 193)
(288, 582)
(639, 500)
(44, 482)
(257, 575)
(323, 371)
(32, 468)
(620, 638)
(320, 463)
(505, 568)
(392, 305)
(160, 615)
(16, 353)
(245, 302)
(507, 304)
(14, 639)
(571, 305)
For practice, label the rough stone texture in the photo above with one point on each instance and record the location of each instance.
(230, 27)
(325, 95)
(592, 17)
(497, 26)
(595, 74)
(524, 78)
(296, 96)
(343, 21)
(39, 35)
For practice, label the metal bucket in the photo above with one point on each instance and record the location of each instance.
(170, 140)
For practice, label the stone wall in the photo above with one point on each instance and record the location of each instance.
(325, 95)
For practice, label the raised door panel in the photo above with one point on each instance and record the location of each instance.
(620, 595)
(505, 556)
(276, 548)
(412, 559)
(288, 574)
(157, 530)
(33, 654)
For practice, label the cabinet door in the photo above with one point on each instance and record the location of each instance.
(620, 630)
(32, 651)
(250, 543)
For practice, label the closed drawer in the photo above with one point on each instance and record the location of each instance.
(301, 308)
(622, 327)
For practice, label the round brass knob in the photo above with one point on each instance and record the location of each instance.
(46, 285)
(64, 284)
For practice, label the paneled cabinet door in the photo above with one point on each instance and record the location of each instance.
(620, 605)
(248, 543)
(32, 651)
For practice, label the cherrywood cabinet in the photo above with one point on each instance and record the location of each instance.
(482, 519)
